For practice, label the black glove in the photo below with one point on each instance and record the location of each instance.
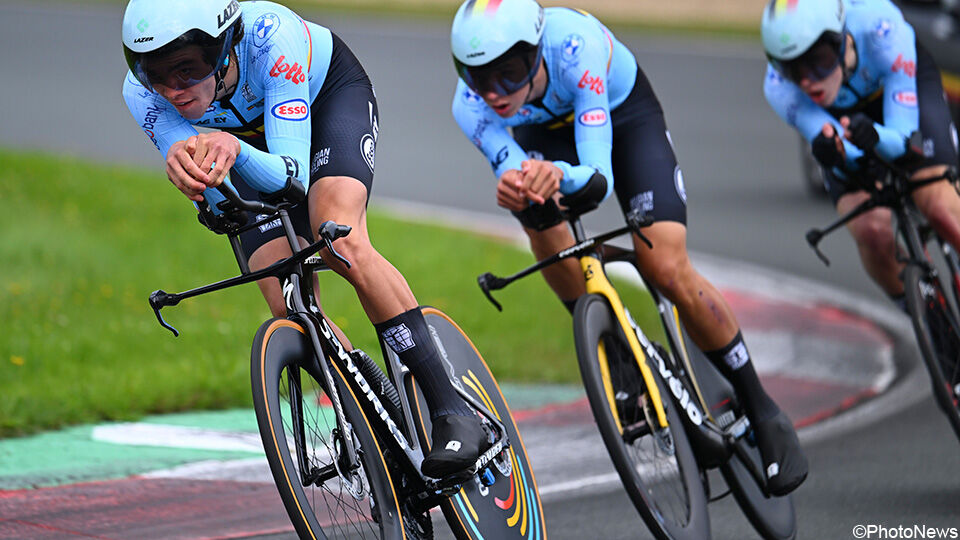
(862, 133)
(825, 150)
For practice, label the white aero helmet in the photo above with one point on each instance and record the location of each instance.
(497, 44)
(155, 29)
(804, 38)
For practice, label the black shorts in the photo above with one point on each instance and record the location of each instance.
(344, 125)
(936, 125)
(645, 170)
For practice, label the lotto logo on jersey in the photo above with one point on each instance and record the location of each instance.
(909, 67)
(595, 83)
(294, 109)
(292, 73)
(906, 98)
(593, 117)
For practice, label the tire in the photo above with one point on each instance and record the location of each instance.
(280, 383)
(773, 517)
(663, 482)
(510, 508)
(937, 337)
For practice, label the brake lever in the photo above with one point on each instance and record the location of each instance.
(330, 231)
(488, 281)
(814, 236)
(637, 220)
(160, 299)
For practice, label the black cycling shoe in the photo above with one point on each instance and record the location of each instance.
(457, 443)
(784, 463)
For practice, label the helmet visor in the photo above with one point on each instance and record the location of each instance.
(510, 72)
(817, 63)
(188, 60)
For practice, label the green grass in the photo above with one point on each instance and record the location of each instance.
(82, 246)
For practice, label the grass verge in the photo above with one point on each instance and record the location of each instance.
(82, 246)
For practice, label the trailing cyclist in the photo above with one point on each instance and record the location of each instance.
(854, 68)
(296, 119)
(582, 112)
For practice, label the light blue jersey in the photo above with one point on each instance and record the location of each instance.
(283, 62)
(886, 69)
(590, 73)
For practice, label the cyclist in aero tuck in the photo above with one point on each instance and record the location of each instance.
(854, 68)
(294, 111)
(582, 113)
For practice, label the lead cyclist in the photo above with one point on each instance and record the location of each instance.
(293, 114)
(583, 112)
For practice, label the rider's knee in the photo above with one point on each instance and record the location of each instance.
(673, 276)
(355, 249)
(873, 233)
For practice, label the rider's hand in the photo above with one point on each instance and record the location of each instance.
(541, 179)
(184, 173)
(828, 148)
(215, 152)
(859, 130)
(508, 191)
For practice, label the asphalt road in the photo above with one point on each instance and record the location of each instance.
(62, 71)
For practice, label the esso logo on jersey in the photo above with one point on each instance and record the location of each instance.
(906, 98)
(294, 109)
(593, 117)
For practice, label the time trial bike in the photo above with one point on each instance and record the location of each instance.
(666, 415)
(931, 270)
(344, 439)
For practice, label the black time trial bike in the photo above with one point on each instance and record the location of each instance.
(931, 270)
(666, 415)
(344, 439)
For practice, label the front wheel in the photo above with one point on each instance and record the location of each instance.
(656, 465)
(510, 509)
(303, 443)
(935, 326)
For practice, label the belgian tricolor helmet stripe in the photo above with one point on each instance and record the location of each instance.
(779, 7)
(483, 7)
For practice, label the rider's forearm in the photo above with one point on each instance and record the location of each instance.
(268, 172)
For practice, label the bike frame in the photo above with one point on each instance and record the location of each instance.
(297, 286)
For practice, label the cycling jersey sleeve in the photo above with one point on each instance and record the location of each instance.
(286, 114)
(486, 131)
(798, 110)
(895, 56)
(593, 131)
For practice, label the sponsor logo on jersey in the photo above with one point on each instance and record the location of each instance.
(228, 12)
(593, 82)
(293, 109)
(368, 149)
(593, 117)
(883, 28)
(502, 156)
(264, 27)
(678, 183)
(150, 121)
(909, 67)
(471, 98)
(247, 93)
(292, 73)
(907, 98)
(571, 48)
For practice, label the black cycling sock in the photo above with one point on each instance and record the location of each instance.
(408, 336)
(734, 363)
(569, 304)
